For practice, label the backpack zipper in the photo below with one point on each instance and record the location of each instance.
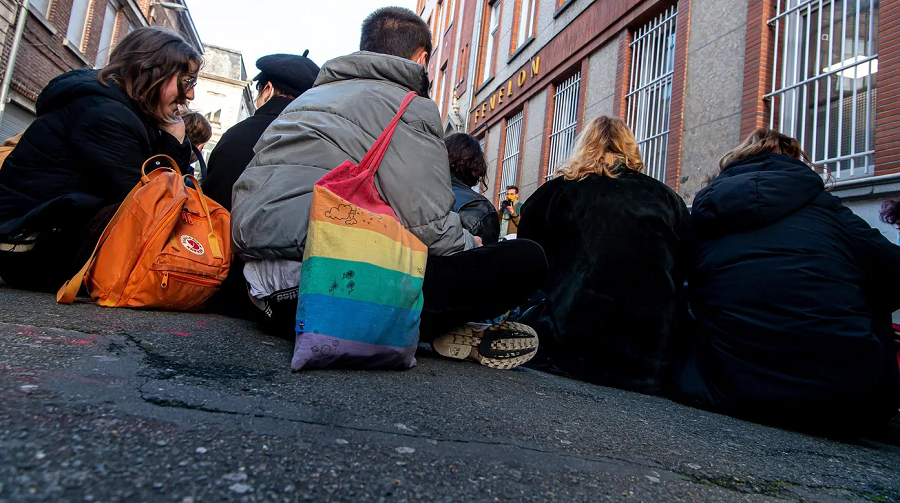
(173, 213)
(186, 278)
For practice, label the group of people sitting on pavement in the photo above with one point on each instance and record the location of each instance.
(768, 300)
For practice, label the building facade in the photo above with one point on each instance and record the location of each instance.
(63, 35)
(223, 92)
(452, 25)
(691, 78)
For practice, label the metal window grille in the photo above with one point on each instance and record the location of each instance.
(824, 83)
(565, 120)
(650, 91)
(510, 172)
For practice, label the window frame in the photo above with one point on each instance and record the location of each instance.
(83, 38)
(798, 82)
(650, 89)
(530, 18)
(488, 40)
(43, 12)
(111, 35)
(507, 160)
(563, 132)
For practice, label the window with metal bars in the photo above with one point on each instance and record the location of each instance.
(565, 121)
(650, 91)
(824, 84)
(510, 173)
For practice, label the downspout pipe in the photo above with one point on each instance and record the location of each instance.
(13, 54)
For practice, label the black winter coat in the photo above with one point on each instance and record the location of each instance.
(792, 294)
(234, 151)
(618, 250)
(84, 152)
(478, 215)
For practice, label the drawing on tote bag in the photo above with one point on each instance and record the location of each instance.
(361, 283)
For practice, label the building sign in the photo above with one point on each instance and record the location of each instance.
(506, 92)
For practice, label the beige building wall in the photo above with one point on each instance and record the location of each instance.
(713, 91)
(530, 177)
(601, 82)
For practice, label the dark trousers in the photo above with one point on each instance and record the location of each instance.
(474, 285)
(58, 254)
(480, 284)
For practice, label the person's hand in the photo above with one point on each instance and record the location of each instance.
(478, 242)
(175, 129)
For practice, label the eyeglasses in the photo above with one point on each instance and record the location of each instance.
(189, 84)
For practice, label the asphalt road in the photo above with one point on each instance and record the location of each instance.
(116, 405)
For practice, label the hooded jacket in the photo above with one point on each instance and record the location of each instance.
(792, 295)
(478, 215)
(353, 100)
(84, 151)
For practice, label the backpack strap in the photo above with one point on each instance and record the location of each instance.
(373, 157)
(214, 247)
(69, 292)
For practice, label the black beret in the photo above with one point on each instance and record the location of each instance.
(290, 73)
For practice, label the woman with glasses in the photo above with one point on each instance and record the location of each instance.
(76, 163)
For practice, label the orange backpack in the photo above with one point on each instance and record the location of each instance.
(8, 147)
(167, 247)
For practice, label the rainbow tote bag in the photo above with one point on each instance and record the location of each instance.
(361, 282)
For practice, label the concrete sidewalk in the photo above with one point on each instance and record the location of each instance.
(118, 405)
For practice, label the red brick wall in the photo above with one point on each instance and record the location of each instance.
(757, 65)
(42, 55)
(548, 129)
(887, 120)
(623, 70)
(676, 119)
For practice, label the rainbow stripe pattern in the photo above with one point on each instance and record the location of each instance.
(361, 284)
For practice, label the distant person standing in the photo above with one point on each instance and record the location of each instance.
(282, 77)
(510, 211)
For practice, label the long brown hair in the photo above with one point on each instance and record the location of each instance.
(765, 141)
(605, 145)
(143, 61)
(467, 161)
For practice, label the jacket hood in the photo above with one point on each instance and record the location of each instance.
(375, 66)
(754, 193)
(73, 85)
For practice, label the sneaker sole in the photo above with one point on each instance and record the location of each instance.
(502, 346)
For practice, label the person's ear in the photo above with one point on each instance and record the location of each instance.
(421, 56)
(265, 94)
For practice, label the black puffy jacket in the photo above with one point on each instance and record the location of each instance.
(478, 215)
(84, 151)
(792, 294)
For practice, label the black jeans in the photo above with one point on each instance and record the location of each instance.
(480, 284)
(57, 254)
(474, 285)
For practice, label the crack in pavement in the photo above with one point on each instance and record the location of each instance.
(763, 487)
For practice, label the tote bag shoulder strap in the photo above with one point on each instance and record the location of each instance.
(375, 154)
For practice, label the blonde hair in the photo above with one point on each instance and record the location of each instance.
(602, 148)
(765, 141)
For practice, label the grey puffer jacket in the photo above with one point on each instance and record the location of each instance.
(353, 100)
